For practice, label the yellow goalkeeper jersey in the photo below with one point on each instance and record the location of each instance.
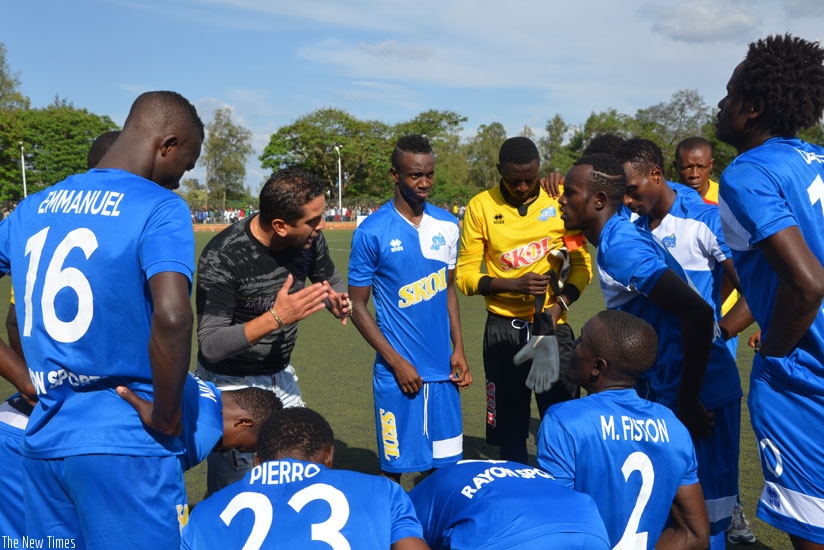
(510, 245)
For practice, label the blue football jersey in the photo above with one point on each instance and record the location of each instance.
(490, 504)
(202, 420)
(631, 455)
(691, 232)
(294, 504)
(630, 261)
(81, 254)
(408, 271)
(764, 191)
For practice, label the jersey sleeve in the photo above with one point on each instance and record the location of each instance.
(636, 265)
(471, 252)
(363, 259)
(755, 201)
(404, 519)
(556, 450)
(168, 242)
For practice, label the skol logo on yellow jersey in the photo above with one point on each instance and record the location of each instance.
(422, 289)
(389, 435)
(525, 255)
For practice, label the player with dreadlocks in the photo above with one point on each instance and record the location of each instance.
(772, 212)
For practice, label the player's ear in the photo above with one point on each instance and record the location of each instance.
(167, 143)
(244, 422)
(598, 368)
(279, 227)
(328, 455)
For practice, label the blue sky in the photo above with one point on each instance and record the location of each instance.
(518, 62)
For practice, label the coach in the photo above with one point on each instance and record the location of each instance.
(251, 293)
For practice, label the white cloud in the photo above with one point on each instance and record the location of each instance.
(702, 20)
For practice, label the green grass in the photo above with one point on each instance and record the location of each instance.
(334, 365)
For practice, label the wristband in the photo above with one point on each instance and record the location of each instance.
(277, 318)
(562, 303)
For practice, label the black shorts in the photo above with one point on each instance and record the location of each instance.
(507, 397)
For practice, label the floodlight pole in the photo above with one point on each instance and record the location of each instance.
(340, 179)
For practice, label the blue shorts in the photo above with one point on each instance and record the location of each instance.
(787, 422)
(106, 501)
(418, 432)
(717, 457)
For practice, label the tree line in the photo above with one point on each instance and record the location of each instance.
(54, 141)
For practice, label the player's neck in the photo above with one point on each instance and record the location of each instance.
(413, 212)
(662, 207)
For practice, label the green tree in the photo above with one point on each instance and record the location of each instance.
(225, 151)
(309, 143)
(192, 192)
(482, 154)
(666, 124)
(558, 152)
(10, 95)
(56, 141)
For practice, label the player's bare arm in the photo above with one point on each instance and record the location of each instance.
(410, 543)
(405, 372)
(13, 369)
(799, 294)
(287, 309)
(691, 529)
(738, 317)
(697, 327)
(170, 348)
(459, 373)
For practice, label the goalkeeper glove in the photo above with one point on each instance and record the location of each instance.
(542, 349)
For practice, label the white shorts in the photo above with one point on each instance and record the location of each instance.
(283, 383)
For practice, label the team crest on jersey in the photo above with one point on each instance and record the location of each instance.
(498, 219)
(438, 241)
(669, 241)
(547, 213)
(396, 245)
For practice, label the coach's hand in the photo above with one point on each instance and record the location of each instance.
(145, 410)
(339, 304)
(299, 305)
(407, 376)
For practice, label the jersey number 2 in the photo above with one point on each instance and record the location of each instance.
(632, 539)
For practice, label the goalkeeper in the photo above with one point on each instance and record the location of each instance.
(515, 229)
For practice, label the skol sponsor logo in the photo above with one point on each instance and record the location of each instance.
(423, 289)
(389, 435)
(525, 255)
(491, 412)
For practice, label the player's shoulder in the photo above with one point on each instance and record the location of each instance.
(440, 214)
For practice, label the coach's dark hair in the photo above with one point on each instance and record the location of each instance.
(604, 143)
(518, 150)
(296, 429)
(100, 147)
(628, 343)
(260, 404)
(607, 176)
(787, 74)
(642, 154)
(415, 144)
(159, 110)
(285, 194)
